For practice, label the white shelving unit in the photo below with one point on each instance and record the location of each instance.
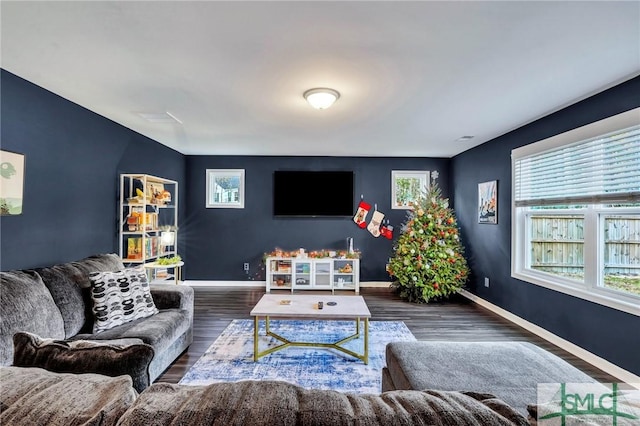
(148, 206)
(286, 273)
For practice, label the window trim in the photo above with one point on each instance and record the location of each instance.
(211, 175)
(600, 295)
(422, 175)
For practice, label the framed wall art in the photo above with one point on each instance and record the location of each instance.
(225, 189)
(11, 183)
(488, 202)
(407, 186)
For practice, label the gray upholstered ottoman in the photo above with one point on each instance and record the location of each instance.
(509, 370)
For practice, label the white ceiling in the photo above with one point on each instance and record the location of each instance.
(413, 76)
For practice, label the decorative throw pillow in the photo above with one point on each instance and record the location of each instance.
(114, 358)
(120, 297)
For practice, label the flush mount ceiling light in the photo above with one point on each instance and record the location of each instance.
(321, 98)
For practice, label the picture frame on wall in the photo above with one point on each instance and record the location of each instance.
(225, 189)
(11, 183)
(407, 186)
(488, 202)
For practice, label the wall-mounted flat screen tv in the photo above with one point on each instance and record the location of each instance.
(313, 194)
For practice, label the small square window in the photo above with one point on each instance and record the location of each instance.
(225, 189)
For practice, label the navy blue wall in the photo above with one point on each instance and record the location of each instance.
(606, 332)
(73, 159)
(221, 240)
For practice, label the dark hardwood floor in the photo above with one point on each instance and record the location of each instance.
(455, 320)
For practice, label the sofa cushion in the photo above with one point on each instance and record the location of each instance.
(509, 370)
(120, 297)
(159, 330)
(64, 283)
(33, 396)
(279, 403)
(111, 358)
(26, 305)
(97, 263)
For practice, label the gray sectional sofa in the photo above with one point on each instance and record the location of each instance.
(45, 314)
(33, 396)
(509, 370)
(55, 303)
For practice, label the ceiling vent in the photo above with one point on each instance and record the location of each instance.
(159, 117)
(464, 138)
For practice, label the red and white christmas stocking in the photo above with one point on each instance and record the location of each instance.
(386, 231)
(376, 221)
(361, 214)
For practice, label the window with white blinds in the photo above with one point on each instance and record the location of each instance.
(604, 169)
(576, 212)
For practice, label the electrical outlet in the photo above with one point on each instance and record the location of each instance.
(246, 266)
(486, 282)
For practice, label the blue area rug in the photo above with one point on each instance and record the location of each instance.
(230, 357)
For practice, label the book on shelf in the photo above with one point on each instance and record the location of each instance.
(151, 246)
(162, 273)
(283, 266)
(134, 248)
(150, 221)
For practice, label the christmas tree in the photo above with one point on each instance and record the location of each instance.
(428, 261)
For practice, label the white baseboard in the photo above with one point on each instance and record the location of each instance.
(596, 361)
(372, 284)
(207, 283)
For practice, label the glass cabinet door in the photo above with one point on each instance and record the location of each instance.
(302, 274)
(322, 274)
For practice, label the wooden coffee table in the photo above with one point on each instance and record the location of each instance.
(305, 307)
